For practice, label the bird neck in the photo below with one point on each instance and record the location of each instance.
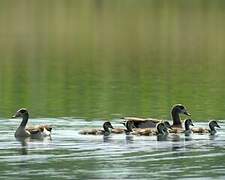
(128, 126)
(106, 129)
(187, 127)
(25, 120)
(212, 128)
(165, 131)
(106, 133)
(127, 132)
(160, 129)
(176, 118)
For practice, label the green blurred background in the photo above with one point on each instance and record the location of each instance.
(110, 58)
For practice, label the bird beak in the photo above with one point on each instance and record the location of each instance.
(14, 116)
(218, 126)
(192, 124)
(170, 127)
(186, 113)
(112, 127)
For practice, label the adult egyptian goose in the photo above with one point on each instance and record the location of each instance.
(33, 132)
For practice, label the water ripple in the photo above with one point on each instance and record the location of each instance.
(70, 155)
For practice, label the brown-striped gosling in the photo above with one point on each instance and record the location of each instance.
(128, 128)
(161, 129)
(211, 130)
(187, 124)
(107, 126)
(186, 131)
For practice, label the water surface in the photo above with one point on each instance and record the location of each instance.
(106, 59)
(97, 60)
(69, 155)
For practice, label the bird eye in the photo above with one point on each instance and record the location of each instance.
(22, 111)
(181, 107)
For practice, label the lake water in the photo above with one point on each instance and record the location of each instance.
(106, 59)
(95, 60)
(68, 155)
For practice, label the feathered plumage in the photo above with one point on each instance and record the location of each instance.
(33, 132)
(151, 123)
(161, 129)
(105, 131)
(211, 130)
(187, 130)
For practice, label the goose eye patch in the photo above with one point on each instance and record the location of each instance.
(22, 111)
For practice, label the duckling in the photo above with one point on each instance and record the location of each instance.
(161, 128)
(129, 125)
(106, 130)
(187, 124)
(211, 130)
(187, 130)
(151, 123)
(167, 124)
(33, 132)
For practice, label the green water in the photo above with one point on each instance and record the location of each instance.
(102, 59)
(106, 59)
(68, 155)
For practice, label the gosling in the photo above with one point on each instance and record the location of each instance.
(186, 131)
(129, 125)
(107, 126)
(161, 129)
(211, 130)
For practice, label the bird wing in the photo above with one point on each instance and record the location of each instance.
(142, 122)
(34, 130)
(143, 131)
(89, 131)
(118, 130)
(38, 129)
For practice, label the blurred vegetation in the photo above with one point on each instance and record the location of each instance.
(106, 59)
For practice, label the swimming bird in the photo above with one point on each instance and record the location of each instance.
(129, 126)
(211, 130)
(33, 132)
(187, 130)
(187, 124)
(105, 131)
(151, 123)
(161, 129)
(167, 124)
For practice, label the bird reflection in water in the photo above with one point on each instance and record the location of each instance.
(129, 139)
(24, 141)
(107, 138)
(162, 137)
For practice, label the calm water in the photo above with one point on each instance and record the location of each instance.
(106, 59)
(97, 60)
(69, 155)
